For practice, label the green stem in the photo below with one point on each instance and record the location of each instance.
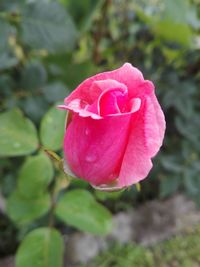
(53, 206)
(57, 184)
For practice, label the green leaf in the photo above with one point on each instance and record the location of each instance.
(103, 196)
(79, 183)
(78, 208)
(55, 91)
(176, 10)
(172, 163)
(46, 25)
(42, 247)
(52, 128)
(18, 135)
(83, 11)
(34, 107)
(6, 30)
(192, 17)
(169, 185)
(173, 25)
(23, 211)
(6, 83)
(7, 57)
(34, 76)
(168, 20)
(173, 31)
(35, 175)
(189, 128)
(191, 181)
(13, 6)
(76, 73)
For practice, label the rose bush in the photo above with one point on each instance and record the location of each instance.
(115, 126)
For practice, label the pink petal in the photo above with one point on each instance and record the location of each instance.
(105, 88)
(113, 102)
(128, 75)
(103, 85)
(76, 106)
(94, 148)
(154, 120)
(154, 125)
(145, 140)
(118, 145)
(84, 106)
(108, 105)
(136, 163)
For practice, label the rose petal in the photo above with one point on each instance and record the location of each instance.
(106, 86)
(136, 163)
(128, 75)
(154, 125)
(75, 105)
(116, 150)
(145, 140)
(94, 148)
(113, 101)
(135, 104)
(87, 108)
(103, 85)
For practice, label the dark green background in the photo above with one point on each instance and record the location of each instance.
(48, 47)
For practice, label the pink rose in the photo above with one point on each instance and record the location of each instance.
(115, 126)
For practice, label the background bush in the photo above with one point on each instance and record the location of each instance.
(46, 49)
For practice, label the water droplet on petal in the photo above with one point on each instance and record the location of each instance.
(87, 131)
(90, 158)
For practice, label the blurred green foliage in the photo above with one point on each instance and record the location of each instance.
(79, 208)
(42, 247)
(46, 49)
(179, 251)
(129, 255)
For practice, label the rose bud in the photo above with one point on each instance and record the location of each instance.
(115, 126)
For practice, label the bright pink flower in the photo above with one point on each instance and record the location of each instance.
(115, 128)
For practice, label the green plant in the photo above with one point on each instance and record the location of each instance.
(182, 250)
(49, 47)
(32, 33)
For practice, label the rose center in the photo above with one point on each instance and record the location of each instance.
(113, 101)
